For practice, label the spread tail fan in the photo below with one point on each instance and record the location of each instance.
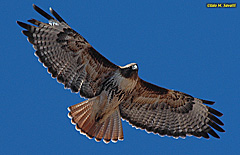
(84, 117)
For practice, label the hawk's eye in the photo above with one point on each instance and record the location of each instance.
(134, 67)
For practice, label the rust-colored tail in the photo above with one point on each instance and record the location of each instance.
(84, 117)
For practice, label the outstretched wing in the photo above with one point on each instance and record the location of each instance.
(169, 112)
(67, 55)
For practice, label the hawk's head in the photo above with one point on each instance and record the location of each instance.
(130, 71)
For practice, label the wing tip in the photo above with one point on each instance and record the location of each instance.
(215, 112)
(17, 22)
(215, 126)
(23, 25)
(35, 7)
(56, 15)
(43, 13)
(214, 134)
(208, 102)
(215, 119)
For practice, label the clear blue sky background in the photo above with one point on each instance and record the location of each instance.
(180, 45)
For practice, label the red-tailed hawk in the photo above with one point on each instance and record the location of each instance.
(114, 92)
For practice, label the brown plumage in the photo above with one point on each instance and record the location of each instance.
(114, 92)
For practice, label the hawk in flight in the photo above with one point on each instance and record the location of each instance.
(114, 92)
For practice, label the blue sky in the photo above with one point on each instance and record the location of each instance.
(179, 45)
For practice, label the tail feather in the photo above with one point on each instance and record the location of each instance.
(102, 130)
(120, 133)
(115, 131)
(80, 118)
(83, 106)
(80, 123)
(94, 130)
(108, 133)
(83, 116)
(91, 128)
